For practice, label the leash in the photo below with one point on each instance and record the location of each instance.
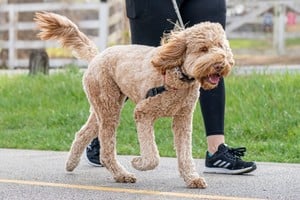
(178, 13)
(185, 78)
(157, 90)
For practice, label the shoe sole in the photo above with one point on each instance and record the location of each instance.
(91, 163)
(213, 170)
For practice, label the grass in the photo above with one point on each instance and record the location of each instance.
(262, 113)
(249, 44)
(293, 42)
(260, 44)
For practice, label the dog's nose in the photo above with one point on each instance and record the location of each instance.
(218, 67)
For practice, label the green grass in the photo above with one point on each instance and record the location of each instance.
(260, 44)
(293, 42)
(249, 44)
(262, 113)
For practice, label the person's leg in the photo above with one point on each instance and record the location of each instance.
(149, 20)
(219, 157)
(214, 141)
(212, 101)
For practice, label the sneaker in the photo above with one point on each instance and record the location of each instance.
(228, 161)
(93, 153)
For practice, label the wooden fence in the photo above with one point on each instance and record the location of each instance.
(244, 14)
(106, 27)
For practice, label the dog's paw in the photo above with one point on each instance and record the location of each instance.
(197, 183)
(70, 166)
(144, 164)
(128, 178)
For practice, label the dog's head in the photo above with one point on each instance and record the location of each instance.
(202, 51)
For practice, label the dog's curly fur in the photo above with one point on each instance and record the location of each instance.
(201, 53)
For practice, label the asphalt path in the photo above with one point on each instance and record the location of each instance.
(28, 174)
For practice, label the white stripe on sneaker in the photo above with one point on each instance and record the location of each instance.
(226, 165)
(223, 163)
(217, 162)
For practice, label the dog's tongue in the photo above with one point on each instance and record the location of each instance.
(214, 79)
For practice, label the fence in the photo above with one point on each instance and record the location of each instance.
(106, 22)
(108, 25)
(244, 14)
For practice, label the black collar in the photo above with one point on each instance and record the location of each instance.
(157, 90)
(184, 77)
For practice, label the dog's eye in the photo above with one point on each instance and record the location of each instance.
(204, 49)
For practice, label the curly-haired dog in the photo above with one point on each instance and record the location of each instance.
(162, 81)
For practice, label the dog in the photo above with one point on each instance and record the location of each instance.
(162, 81)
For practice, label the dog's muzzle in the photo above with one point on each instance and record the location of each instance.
(218, 67)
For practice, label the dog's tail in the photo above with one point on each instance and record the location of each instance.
(57, 27)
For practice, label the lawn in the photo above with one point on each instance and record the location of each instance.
(262, 113)
(261, 44)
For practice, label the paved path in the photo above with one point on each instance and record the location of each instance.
(27, 174)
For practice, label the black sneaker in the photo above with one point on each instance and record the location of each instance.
(93, 153)
(228, 161)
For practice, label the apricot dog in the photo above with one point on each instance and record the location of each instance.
(162, 81)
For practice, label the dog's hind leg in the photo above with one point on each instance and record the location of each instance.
(107, 135)
(144, 118)
(107, 101)
(88, 131)
(107, 138)
(182, 128)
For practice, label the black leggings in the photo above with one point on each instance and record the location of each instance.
(149, 19)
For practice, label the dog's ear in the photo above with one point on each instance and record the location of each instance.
(229, 53)
(171, 54)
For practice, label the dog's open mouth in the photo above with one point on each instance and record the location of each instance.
(213, 78)
(210, 81)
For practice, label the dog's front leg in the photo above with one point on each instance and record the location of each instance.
(182, 128)
(144, 119)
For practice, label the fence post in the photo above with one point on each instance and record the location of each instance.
(103, 26)
(279, 28)
(12, 37)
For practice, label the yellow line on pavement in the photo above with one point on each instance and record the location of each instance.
(123, 190)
